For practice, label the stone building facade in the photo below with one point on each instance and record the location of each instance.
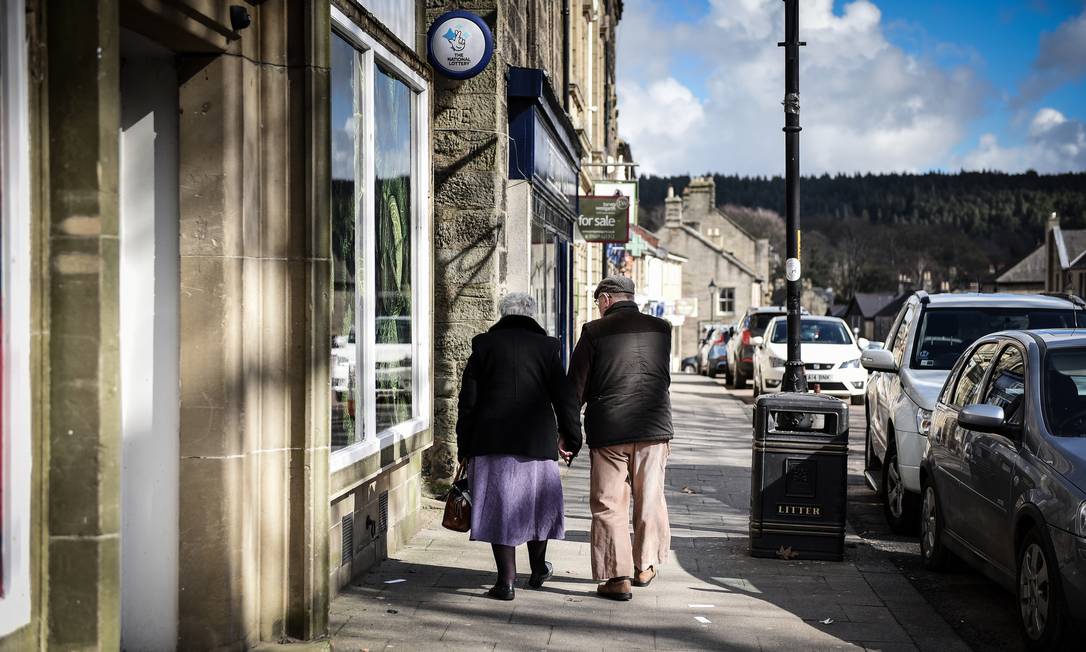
(211, 424)
(506, 179)
(717, 250)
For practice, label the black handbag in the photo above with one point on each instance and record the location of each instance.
(458, 503)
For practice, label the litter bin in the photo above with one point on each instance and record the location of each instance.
(799, 476)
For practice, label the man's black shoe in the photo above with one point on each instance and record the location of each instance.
(537, 579)
(502, 592)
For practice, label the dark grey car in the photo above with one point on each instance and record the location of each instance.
(1004, 478)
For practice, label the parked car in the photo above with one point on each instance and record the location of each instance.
(715, 335)
(831, 357)
(741, 345)
(1004, 477)
(926, 339)
(689, 365)
(718, 359)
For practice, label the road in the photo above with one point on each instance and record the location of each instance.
(980, 611)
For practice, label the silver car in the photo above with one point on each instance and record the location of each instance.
(1004, 477)
(928, 335)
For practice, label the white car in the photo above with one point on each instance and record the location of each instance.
(831, 357)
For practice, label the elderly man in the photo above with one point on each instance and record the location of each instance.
(620, 369)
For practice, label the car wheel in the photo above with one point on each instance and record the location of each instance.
(1040, 600)
(932, 551)
(858, 399)
(712, 371)
(899, 505)
(757, 386)
(740, 381)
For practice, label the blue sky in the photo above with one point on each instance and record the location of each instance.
(888, 85)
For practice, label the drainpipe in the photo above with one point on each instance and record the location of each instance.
(565, 55)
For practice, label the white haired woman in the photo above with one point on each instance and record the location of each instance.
(518, 415)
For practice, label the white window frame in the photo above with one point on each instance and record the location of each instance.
(720, 301)
(373, 53)
(17, 462)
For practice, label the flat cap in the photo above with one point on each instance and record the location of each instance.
(616, 284)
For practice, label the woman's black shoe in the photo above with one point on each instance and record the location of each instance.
(537, 579)
(502, 592)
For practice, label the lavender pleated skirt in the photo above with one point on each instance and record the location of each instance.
(515, 499)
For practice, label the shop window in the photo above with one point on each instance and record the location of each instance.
(726, 301)
(346, 190)
(379, 361)
(15, 456)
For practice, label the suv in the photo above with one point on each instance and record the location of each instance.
(741, 345)
(928, 335)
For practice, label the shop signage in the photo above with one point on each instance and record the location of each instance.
(624, 188)
(604, 219)
(459, 44)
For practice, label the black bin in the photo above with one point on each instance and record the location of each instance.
(799, 477)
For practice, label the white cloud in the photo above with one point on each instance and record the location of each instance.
(866, 104)
(657, 115)
(1061, 58)
(1054, 143)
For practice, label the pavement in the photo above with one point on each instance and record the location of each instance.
(710, 595)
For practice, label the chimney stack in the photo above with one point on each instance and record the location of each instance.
(673, 209)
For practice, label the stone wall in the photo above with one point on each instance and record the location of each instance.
(471, 154)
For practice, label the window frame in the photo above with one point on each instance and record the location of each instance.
(372, 53)
(720, 299)
(15, 447)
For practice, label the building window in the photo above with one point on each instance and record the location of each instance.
(15, 446)
(726, 301)
(379, 312)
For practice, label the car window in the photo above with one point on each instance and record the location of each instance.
(813, 331)
(972, 373)
(1064, 392)
(902, 338)
(944, 333)
(760, 320)
(1007, 384)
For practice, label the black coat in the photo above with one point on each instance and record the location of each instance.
(621, 369)
(514, 388)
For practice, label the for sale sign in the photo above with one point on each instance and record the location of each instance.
(604, 219)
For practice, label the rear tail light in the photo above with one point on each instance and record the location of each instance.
(746, 337)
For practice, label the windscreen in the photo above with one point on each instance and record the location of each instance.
(945, 332)
(813, 331)
(1065, 392)
(759, 320)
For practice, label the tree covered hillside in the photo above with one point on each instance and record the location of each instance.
(863, 231)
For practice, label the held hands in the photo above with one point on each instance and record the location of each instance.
(563, 450)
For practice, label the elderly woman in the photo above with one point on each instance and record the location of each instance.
(518, 414)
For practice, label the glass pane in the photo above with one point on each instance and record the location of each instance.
(393, 103)
(345, 117)
(538, 282)
(551, 323)
(972, 374)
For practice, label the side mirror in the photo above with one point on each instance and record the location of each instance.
(878, 360)
(863, 343)
(982, 418)
(757, 341)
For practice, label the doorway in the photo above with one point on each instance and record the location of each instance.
(149, 285)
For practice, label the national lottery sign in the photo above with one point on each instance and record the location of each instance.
(604, 219)
(459, 44)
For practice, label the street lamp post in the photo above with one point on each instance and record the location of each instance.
(794, 379)
(712, 300)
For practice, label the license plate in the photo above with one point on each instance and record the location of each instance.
(818, 378)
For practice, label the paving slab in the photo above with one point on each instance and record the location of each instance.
(710, 595)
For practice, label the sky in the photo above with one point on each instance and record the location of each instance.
(885, 85)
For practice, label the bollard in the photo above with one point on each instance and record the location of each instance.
(799, 476)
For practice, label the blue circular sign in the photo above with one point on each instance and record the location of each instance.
(459, 44)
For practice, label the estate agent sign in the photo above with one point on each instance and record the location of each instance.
(459, 44)
(604, 219)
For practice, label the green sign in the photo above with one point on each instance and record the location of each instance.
(604, 219)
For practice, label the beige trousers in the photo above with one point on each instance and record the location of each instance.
(618, 471)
